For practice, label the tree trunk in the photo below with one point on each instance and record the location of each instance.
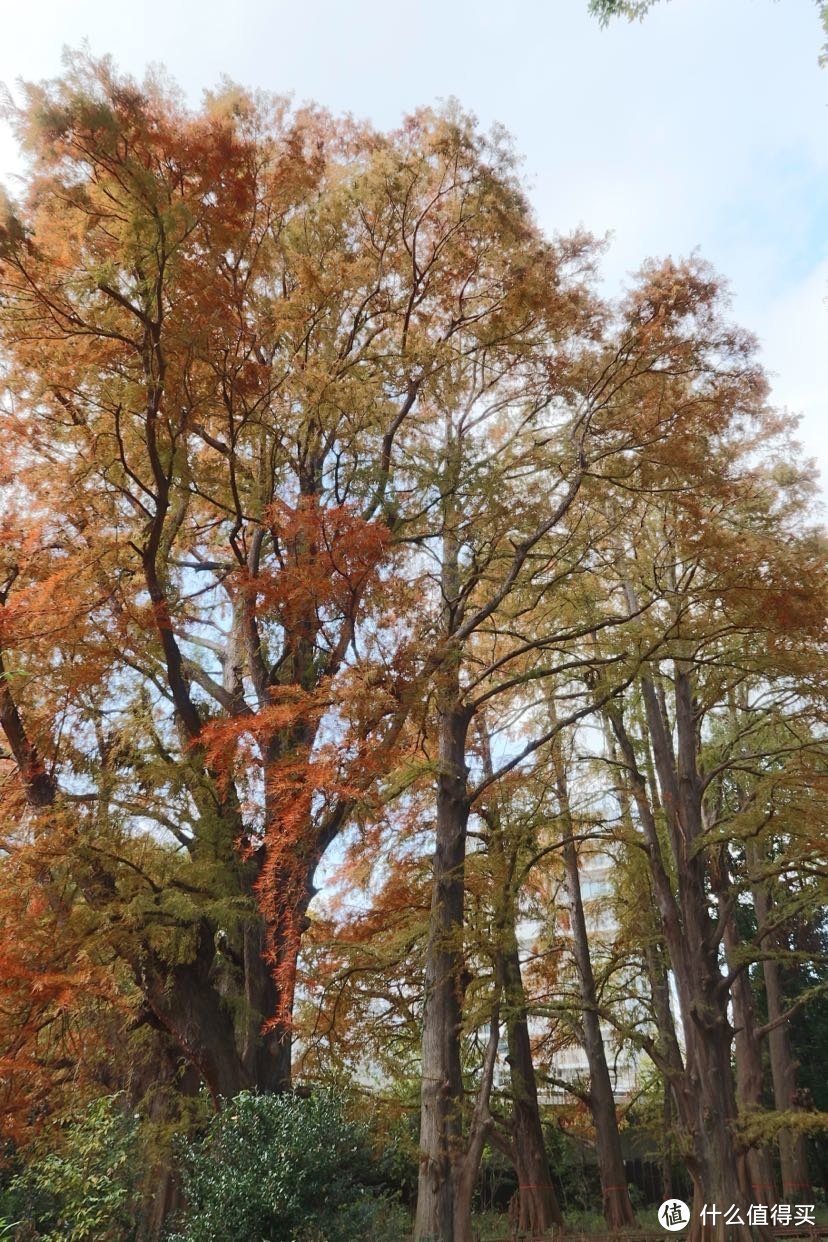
(793, 1150)
(185, 998)
(442, 1086)
(702, 990)
(537, 1205)
(162, 1196)
(666, 1052)
(667, 1056)
(759, 1178)
(466, 1165)
(265, 1054)
(704, 1094)
(715, 1170)
(539, 1209)
(615, 1195)
(189, 1007)
(667, 1154)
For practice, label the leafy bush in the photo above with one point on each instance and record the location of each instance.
(282, 1169)
(80, 1185)
(396, 1144)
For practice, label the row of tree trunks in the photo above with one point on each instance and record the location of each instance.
(751, 1167)
(793, 1156)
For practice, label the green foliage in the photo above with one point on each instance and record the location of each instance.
(576, 1176)
(606, 10)
(496, 1185)
(81, 1185)
(283, 1169)
(397, 1149)
(809, 1023)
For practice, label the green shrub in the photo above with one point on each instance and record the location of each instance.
(282, 1169)
(396, 1144)
(80, 1184)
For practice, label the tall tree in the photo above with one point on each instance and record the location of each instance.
(217, 329)
(614, 1192)
(510, 607)
(716, 639)
(508, 836)
(489, 540)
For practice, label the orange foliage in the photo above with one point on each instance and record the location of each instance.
(54, 987)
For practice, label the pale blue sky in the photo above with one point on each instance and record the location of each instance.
(703, 127)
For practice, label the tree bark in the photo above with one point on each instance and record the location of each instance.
(442, 1085)
(189, 1007)
(266, 1054)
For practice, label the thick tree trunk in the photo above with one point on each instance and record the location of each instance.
(704, 1133)
(442, 1085)
(716, 1168)
(702, 991)
(162, 1194)
(265, 1053)
(188, 1006)
(184, 998)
